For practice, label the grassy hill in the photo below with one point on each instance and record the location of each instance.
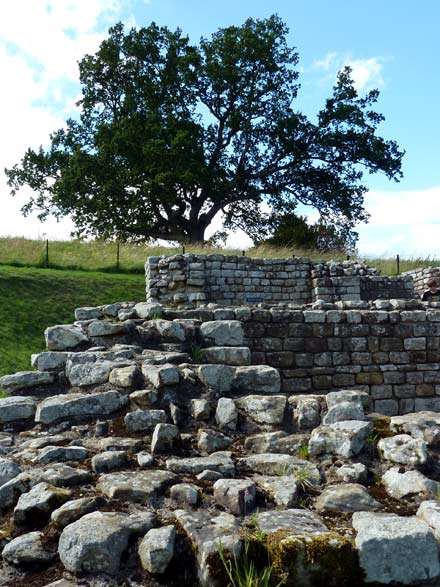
(32, 299)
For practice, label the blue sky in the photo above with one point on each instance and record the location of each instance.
(392, 45)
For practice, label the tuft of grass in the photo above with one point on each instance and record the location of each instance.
(196, 353)
(243, 572)
(303, 452)
(33, 299)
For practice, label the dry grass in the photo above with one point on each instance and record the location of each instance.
(101, 256)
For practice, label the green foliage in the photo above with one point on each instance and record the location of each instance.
(303, 452)
(196, 353)
(33, 299)
(244, 572)
(170, 134)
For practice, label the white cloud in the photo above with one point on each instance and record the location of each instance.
(366, 73)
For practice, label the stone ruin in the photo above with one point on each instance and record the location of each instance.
(153, 438)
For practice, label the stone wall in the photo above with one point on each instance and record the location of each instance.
(421, 275)
(234, 280)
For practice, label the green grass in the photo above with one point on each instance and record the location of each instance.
(101, 256)
(32, 299)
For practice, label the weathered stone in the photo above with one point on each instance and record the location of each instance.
(209, 441)
(296, 521)
(352, 473)
(281, 465)
(110, 460)
(49, 361)
(61, 475)
(200, 409)
(429, 512)
(64, 337)
(160, 375)
(121, 443)
(34, 507)
(13, 409)
(257, 378)
(348, 395)
(123, 376)
(88, 313)
(306, 412)
(148, 310)
(185, 494)
(166, 438)
(394, 549)
(217, 461)
(136, 486)
(235, 495)
(27, 549)
(349, 497)
(415, 424)
(77, 405)
(170, 330)
(106, 328)
(219, 377)
(403, 449)
(345, 439)
(206, 533)
(88, 373)
(95, 542)
(408, 483)
(11, 490)
(342, 411)
(144, 420)
(283, 490)
(75, 509)
(8, 470)
(222, 333)
(26, 379)
(157, 549)
(263, 409)
(236, 356)
(61, 454)
(226, 414)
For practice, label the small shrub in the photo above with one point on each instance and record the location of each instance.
(243, 572)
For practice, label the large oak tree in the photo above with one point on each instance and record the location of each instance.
(170, 134)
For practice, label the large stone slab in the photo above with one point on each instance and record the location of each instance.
(26, 380)
(415, 424)
(429, 512)
(28, 549)
(263, 409)
(404, 450)
(64, 337)
(217, 461)
(219, 377)
(14, 409)
(223, 355)
(157, 549)
(136, 486)
(294, 521)
(257, 379)
(144, 420)
(406, 483)
(77, 405)
(96, 542)
(8, 470)
(394, 549)
(222, 333)
(280, 465)
(345, 439)
(89, 373)
(347, 497)
(34, 507)
(160, 375)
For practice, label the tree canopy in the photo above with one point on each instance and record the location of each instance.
(170, 134)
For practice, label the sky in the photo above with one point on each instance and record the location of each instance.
(392, 45)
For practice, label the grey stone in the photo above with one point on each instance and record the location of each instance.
(62, 475)
(352, 473)
(219, 377)
(185, 494)
(88, 313)
(297, 521)
(95, 542)
(283, 490)
(170, 331)
(206, 532)
(306, 412)
(88, 373)
(429, 512)
(8, 470)
(75, 509)
(348, 497)
(263, 409)
(64, 337)
(403, 449)
(130, 445)
(218, 461)
(106, 328)
(157, 549)
(11, 490)
(26, 379)
(61, 454)
(408, 483)
(148, 310)
(136, 486)
(144, 420)
(236, 356)
(123, 376)
(77, 405)
(222, 333)
(209, 441)
(415, 424)
(209, 475)
(200, 409)
(35, 506)
(27, 549)
(394, 549)
(144, 459)
(235, 495)
(166, 438)
(160, 375)
(49, 361)
(348, 395)
(344, 439)
(226, 414)
(110, 460)
(281, 465)
(13, 409)
(257, 378)
(344, 411)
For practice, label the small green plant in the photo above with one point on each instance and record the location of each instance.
(303, 476)
(155, 317)
(437, 495)
(372, 440)
(196, 353)
(242, 571)
(303, 452)
(283, 470)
